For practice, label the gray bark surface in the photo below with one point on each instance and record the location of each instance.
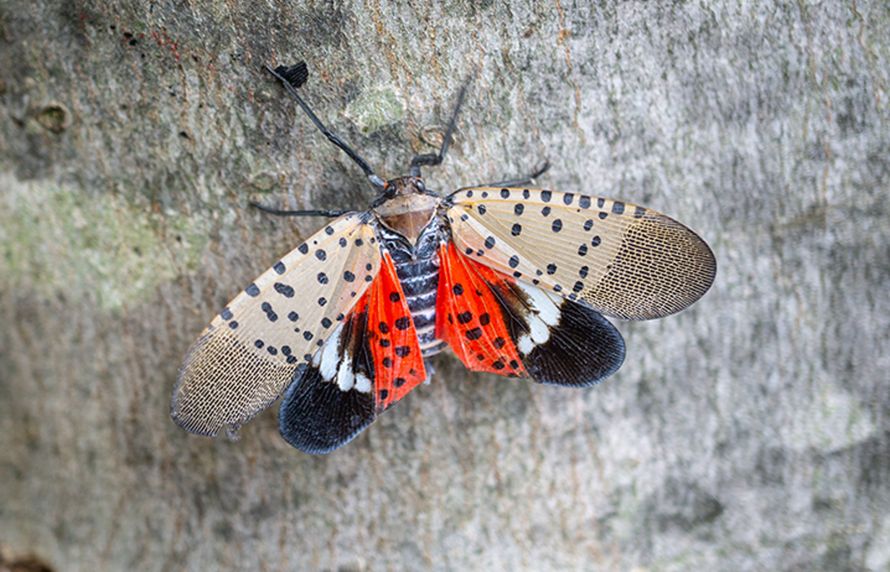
(750, 432)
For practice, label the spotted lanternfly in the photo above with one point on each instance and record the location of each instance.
(514, 279)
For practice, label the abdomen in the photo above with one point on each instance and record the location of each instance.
(418, 272)
(420, 281)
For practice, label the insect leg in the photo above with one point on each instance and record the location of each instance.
(436, 158)
(332, 137)
(519, 182)
(277, 212)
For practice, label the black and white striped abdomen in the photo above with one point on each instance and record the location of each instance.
(420, 282)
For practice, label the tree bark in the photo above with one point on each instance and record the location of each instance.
(749, 432)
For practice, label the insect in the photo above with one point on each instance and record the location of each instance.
(515, 280)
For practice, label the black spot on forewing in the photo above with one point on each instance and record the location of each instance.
(270, 313)
(284, 289)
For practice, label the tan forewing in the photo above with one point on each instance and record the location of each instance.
(620, 259)
(249, 353)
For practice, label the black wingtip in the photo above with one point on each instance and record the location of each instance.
(584, 348)
(316, 417)
(296, 75)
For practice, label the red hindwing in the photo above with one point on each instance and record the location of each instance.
(398, 363)
(469, 317)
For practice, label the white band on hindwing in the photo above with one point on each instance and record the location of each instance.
(543, 313)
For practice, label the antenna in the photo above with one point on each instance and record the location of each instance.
(436, 158)
(292, 77)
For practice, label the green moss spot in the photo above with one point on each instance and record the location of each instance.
(375, 109)
(53, 117)
(104, 249)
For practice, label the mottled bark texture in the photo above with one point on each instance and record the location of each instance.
(747, 433)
